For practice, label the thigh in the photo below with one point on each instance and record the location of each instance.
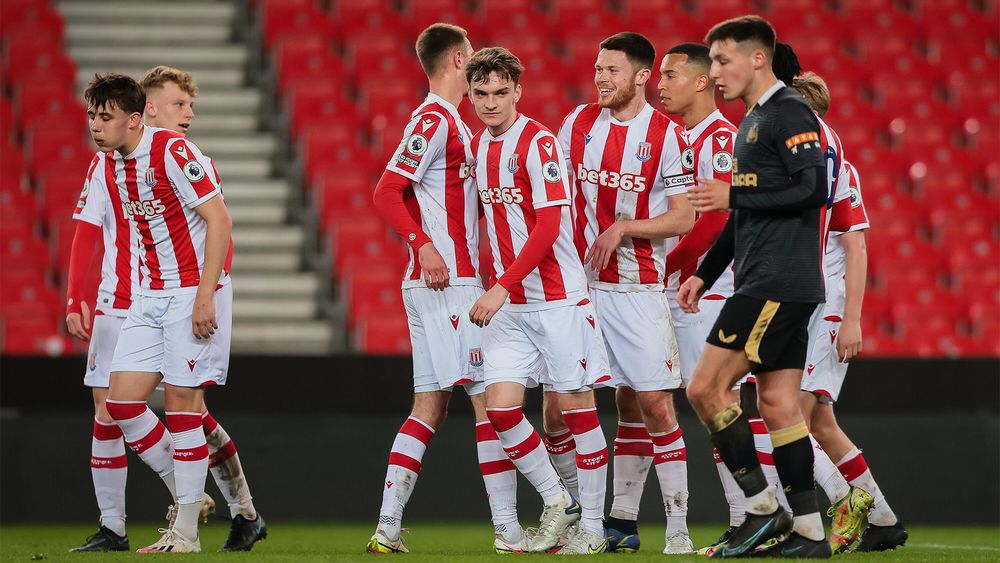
(140, 341)
(570, 341)
(101, 352)
(189, 361)
(642, 350)
(778, 397)
(824, 372)
(509, 355)
(447, 345)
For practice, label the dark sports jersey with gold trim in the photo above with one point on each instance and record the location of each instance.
(777, 249)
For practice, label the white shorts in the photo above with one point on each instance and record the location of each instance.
(639, 335)
(447, 347)
(825, 373)
(103, 340)
(692, 331)
(157, 337)
(562, 348)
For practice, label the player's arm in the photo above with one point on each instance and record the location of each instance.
(706, 230)
(678, 220)
(716, 261)
(218, 232)
(390, 200)
(856, 270)
(806, 189)
(85, 239)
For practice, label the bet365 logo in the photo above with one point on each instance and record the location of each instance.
(141, 209)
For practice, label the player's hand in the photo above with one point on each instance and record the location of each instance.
(690, 293)
(487, 305)
(849, 341)
(203, 323)
(78, 324)
(605, 246)
(709, 195)
(433, 266)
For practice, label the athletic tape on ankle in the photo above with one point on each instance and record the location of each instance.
(724, 418)
(788, 435)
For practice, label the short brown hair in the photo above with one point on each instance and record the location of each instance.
(813, 88)
(437, 40)
(118, 90)
(745, 28)
(493, 59)
(637, 48)
(160, 75)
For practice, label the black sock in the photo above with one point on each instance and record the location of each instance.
(736, 448)
(794, 462)
(627, 527)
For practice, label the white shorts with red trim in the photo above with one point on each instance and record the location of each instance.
(692, 332)
(447, 347)
(101, 352)
(562, 348)
(639, 335)
(825, 373)
(157, 337)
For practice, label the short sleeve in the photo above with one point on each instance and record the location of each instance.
(424, 141)
(566, 136)
(675, 175)
(848, 213)
(722, 155)
(190, 172)
(94, 201)
(547, 172)
(796, 132)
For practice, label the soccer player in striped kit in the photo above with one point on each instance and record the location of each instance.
(428, 197)
(540, 324)
(629, 182)
(178, 327)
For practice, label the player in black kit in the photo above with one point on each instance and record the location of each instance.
(773, 235)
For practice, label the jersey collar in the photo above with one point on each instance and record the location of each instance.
(699, 128)
(643, 113)
(435, 99)
(770, 92)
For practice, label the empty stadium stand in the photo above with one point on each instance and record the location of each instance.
(303, 101)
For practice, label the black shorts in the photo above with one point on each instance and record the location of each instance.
(773, 335)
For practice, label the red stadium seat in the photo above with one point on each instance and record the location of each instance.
(383, 335)
(286, 17)
(346, 194)
(356, 235)
(34, 336)
(584, 14)
(25, 252)
(370, 14)
(369, 49)
(376, 286)
(18, 206)
(311, 100)
(17, 14)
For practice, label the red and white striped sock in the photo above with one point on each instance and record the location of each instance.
(524, 447)
(404, 466)
(827, 475)
(734, 495)
(500, 477)
(562, 452)
(855, 469)
(591, 464)
(670, 460)
(633, 457)
(190, 468)
(109, 469)
(765, 450)
(147, 437)
(224, 463)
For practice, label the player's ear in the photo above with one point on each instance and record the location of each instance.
(150, 109)
(517, 92)
(702, 82)
(134, 120)
(642, 76)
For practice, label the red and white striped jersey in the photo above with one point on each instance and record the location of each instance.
(120, 266)
(711, 154)
(833, 155)
(516, 173)
(622, 171)
(846, 215)
(435, 155)
(160, 184)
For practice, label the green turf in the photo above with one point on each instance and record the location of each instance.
(439, 543)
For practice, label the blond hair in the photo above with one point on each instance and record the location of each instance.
(157, 76)
(813, 88)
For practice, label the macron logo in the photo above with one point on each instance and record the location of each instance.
(426, 123)
(191, 364)
(182, 151)
(548, 148)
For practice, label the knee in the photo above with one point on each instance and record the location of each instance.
(658, 406)
(430, 408)
(627, 401)
(553, 422)
(124, 411)
(503, 420)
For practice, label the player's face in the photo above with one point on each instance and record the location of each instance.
(496, 102)
(678, 84)
(109, 126)
(616, 79)
(732, 68)
(169, 107)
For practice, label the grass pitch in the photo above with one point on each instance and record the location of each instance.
(436, 542)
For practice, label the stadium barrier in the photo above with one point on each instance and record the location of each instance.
(314, 434)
